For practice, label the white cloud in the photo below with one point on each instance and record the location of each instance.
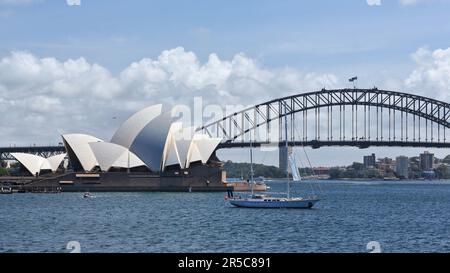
(374, 2)
(42, 97)
(28, 75)
(73, 2)
(432, 74)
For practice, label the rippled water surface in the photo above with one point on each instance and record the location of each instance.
(401, 216)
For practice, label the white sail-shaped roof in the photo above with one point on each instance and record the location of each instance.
(148, 138)
(201, 148)
(183, 141)
(55, 161)
(129, 130)
(149, 143)
(46, 165)
(33, 163)
(112, 155)
(172, 157)
(170, 154)
(193, 154)
(128, 160)
(79, 144)
(206, 146)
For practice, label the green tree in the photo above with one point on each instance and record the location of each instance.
(335, 173)
(3, 170)
(446, 159)
(442, 172)
(243, 170)
(357, 166)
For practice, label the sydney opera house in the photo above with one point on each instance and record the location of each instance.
(148, 152)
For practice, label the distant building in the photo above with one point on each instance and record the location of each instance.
(426, 161)
(402, 166)
(369, 160)
(321, 170)
(385, 166)
(386, 161)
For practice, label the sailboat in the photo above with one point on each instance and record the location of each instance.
(267, 201)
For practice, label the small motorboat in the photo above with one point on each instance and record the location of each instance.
(87, 195)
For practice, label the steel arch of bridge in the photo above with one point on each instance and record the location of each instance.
(423, 121)
(44, 151)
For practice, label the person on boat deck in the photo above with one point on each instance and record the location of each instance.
(230, 193)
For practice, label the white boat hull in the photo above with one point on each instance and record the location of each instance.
(297, 203)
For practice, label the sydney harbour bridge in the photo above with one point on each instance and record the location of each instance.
(342, 117)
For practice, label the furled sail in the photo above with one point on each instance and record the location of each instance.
(294, 169)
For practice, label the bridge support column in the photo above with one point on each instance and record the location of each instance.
(283, 153)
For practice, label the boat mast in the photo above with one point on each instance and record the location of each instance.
(251, 161)
(287, 150)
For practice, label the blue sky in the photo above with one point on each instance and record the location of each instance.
(394, 45)
(320, 35)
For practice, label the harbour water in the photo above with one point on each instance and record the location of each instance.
(404, 216)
